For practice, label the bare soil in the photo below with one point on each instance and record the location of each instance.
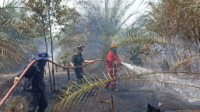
(130, 99)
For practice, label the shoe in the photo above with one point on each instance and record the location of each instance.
(115, 90)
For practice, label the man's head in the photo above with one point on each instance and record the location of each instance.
(114, 46)
(81, 48)
(151, 108)
(42, 58)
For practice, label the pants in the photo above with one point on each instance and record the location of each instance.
(113, 83)
(79, 75)
(34, 99)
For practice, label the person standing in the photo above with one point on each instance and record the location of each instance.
(34, 85)
(112, 62)
(77, 60)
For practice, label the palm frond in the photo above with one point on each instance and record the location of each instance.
(75, 95)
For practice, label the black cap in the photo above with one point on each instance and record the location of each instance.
(81, 47)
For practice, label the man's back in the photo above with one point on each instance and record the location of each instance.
(35, 74)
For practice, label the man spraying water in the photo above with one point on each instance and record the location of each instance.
(112, 62)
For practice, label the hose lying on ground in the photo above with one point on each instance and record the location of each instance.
(23, 73)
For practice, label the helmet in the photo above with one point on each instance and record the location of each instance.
(113, 45)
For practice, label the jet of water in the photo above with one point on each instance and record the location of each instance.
(136, 69)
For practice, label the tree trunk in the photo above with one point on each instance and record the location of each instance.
(45, 39)
(53, 74)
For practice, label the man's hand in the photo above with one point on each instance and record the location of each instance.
(119, 63)
(88, 61)
(72, 66)
(91, 61)
(16, 79)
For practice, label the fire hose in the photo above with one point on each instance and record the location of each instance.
(23, 73)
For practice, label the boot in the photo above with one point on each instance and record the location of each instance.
(107, 85)
(115, 90)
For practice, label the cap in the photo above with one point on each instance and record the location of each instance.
(81, 47)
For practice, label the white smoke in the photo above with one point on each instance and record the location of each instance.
(170, 88)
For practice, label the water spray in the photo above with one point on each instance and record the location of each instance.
(135, 68)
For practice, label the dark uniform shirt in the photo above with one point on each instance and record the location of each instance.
(77, 59)
(37, 71)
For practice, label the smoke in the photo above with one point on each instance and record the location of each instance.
(41, 46)
(170, 87)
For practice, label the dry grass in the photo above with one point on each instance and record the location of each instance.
(75, 95)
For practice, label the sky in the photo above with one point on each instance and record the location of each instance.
(137, 6)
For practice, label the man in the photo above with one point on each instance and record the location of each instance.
(112, 62)
(34, 85)
(77, 60)
(136, 59)
(135, 56)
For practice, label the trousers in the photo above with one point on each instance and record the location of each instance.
(113, 83)
(35, 99)
(79, 75)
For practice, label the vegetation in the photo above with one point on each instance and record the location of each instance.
(43, 16)
(170, 31)
(75, 96)
(18, 103)
(14, 46)
(164, 25)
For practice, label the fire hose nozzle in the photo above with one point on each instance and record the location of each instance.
(120, 63)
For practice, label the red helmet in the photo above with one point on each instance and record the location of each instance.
(113, 45)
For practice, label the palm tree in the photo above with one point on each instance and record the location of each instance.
(13, 48)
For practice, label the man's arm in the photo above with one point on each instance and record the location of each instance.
(27, 74)
(117, 60)
(72, 64)
(72, 61)
(87, 61)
